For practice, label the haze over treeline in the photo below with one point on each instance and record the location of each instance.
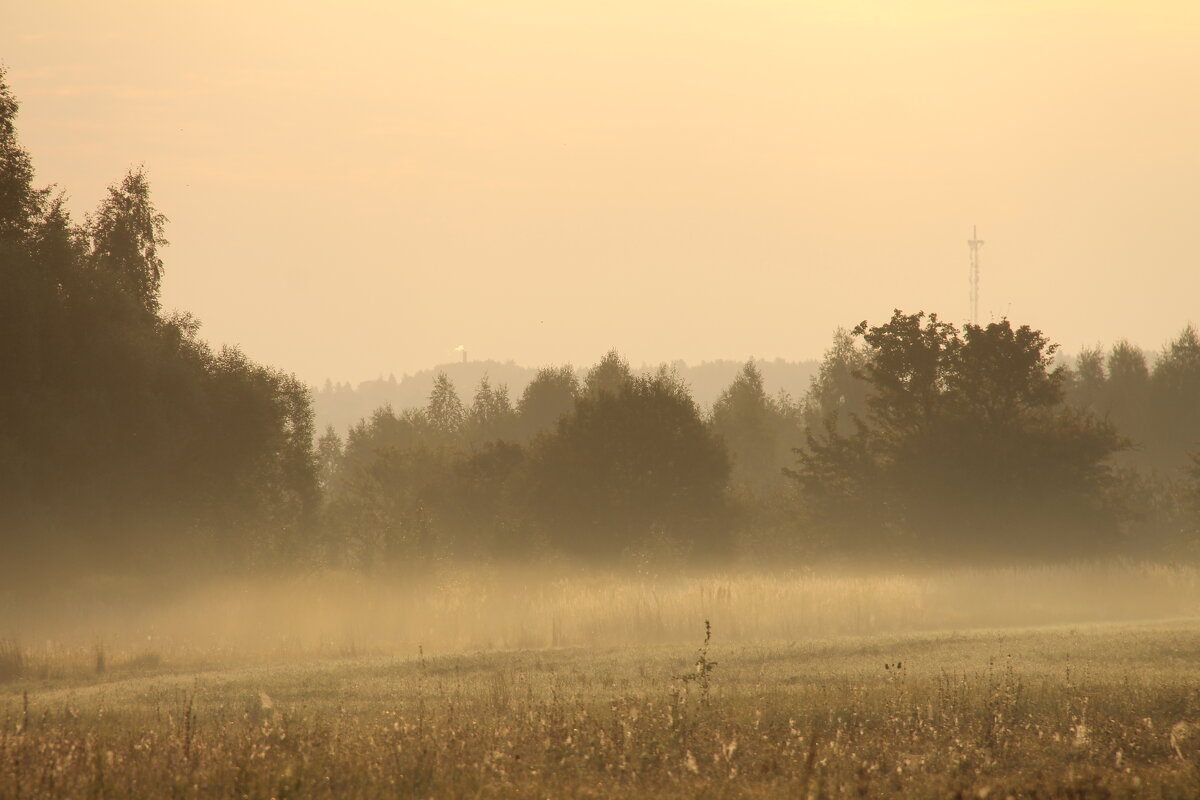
(128, 442)
(341, 404)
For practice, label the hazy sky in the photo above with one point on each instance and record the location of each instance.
(357, 188)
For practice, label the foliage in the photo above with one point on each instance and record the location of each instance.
(124, 440)
(548, 398)
(967, 448)
(627, 462)
(412, 487)
(838, 392)
(126, 234)
(609, 376)
(445, 413)
(491, 417)
(1155, 403)
(619, 468)
(759, 431)
(20, 203)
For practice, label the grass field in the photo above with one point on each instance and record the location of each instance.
(907, 706)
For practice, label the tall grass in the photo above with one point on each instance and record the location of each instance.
(12, 660)
(460, 610)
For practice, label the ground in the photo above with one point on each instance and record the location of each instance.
(1086, 710)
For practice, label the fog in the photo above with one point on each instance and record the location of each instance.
(278, 620)
(696, 283)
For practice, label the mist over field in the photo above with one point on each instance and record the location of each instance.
(794, 400)
(281, 619)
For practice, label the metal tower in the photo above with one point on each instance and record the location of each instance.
(974, 243)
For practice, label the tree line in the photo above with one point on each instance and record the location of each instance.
(126, 441)
(916, 439)
(342, 404)
(124, 438)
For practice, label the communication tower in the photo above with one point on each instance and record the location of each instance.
(974, 243)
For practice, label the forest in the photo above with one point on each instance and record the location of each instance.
(127, 442)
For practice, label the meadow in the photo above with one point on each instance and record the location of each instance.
(1075, 681)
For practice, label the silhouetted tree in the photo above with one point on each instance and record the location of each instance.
(838, 392)
(547, 399)
(125, 442)
(967, 447)
(609, 375)
(329, 460)
(445, 411)
(1174, 419)
(126, 234)
(628, 463)
(1086, 384)
(377, 510)
(20, 202)
(491, 417)
(1191, 505)
(483, 504)
(759, 431)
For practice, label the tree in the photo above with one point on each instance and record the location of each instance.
(967, 447)
(445, 411)
(261, 466)
(997, 374)
(838, 392)
(1157, 408)
(1191, 501)
(481, 505)
(491, 417)
(908, 362)
(609, 375)
(379, 511)
(1174, 422)
(125, 442)
(1087, 383)
(20, 203)
(758, 430)
(548, 398)
(126, 234)
(630, 463)
(329, 460)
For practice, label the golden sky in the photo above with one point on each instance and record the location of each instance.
(357, 188)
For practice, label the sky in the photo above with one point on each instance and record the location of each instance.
(356, 189)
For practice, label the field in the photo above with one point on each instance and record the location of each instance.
(1049, 683)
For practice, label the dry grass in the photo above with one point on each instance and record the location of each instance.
(1099, 711)
(502, 685)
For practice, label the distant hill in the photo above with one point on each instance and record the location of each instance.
(342, 405)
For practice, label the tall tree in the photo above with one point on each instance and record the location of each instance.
(20, 202)
(758, 430)
(491, 416)
(838, 392)
(126, 234)
(123, 437)
(1087, 382)
(330, 452)
(1174, 429)
(445, 411)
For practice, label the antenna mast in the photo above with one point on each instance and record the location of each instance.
(974, 243)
